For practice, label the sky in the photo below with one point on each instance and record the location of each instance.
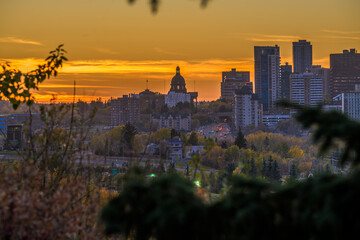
(114, 47)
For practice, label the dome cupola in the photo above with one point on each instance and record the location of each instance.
(178, 82)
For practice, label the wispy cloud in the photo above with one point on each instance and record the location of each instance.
(344, 37)
(106, 51)
(273, 38)
(163, 51)
(19, 40)
(340, 32)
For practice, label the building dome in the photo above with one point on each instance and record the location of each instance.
(178, 82)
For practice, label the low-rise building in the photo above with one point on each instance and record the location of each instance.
(273, 120)
(179, 122)
(174, 150)
(193, 150)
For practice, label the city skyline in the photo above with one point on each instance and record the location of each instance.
(131, 45)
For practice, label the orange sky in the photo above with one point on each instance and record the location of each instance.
(114, 47)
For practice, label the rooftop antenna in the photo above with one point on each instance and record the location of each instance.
(147, 84)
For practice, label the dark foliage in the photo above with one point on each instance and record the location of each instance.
(323, 207)
(240, 140)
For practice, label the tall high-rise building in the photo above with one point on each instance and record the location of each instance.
(324, 72)
(284, 82)
(247, 108)
(267, 71)
(306, 89)
(344, 72)
(302, 56)
(125, 109)
(233, 80)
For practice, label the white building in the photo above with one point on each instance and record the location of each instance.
(173, 98)
(306, 89)
(247, 108)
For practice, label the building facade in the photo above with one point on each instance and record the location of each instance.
(307, 89)
(233, 80)
(324, 73)
(344, 72)
(267, 71)
(350, 104)
(273, 120)
(125, 109)
(284, 82)
(302, 56)
(179, 122)
(247, 108)
(174, 150)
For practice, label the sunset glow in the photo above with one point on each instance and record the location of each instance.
(114, 48)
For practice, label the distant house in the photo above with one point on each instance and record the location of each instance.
(152, 149)
(193, 150)
(174, 150)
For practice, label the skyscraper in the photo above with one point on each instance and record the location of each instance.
(344, 72)
(302, 56)
(267, 70)
(285, 71)
(233, 80)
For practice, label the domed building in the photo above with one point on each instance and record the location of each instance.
(178, 92)
(178, 84)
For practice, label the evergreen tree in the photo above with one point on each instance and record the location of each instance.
(187, 171)
(240, 140)
(252, 147)
(212, 182)
(220, 181)
(230, 167)
(224, 145)
(275, 172)
(129, 133)
(253, 172)
(294, 171)
(193, 139)
(328, 169)
(173, 133)
(264, 169)
(266, 143)
(204, 181)
(269, 169)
